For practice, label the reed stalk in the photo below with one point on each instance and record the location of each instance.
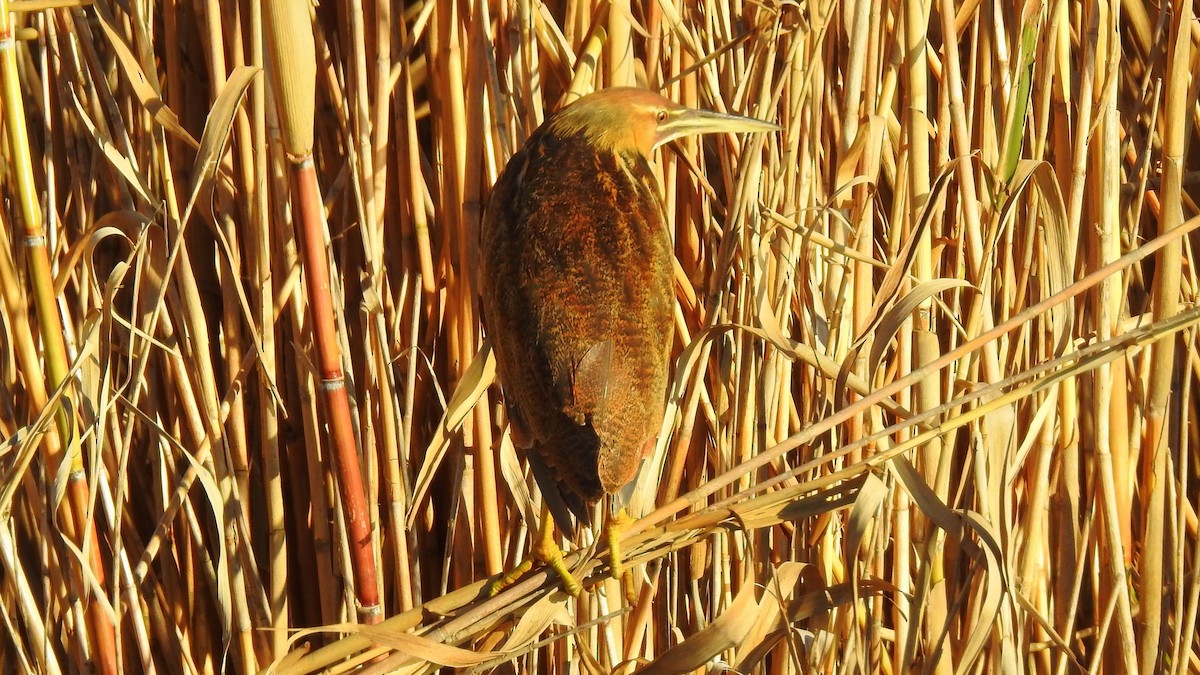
(933, 397)
(292, 73)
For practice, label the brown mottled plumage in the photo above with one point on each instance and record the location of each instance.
(577, 283)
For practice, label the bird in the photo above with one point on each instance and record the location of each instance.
(577, 290)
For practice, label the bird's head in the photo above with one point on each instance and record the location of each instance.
(626, 119)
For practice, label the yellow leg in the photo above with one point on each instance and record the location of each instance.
(545, 551)
(617, 564)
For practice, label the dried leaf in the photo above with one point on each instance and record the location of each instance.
(552, 609)
(479, 376)
(725, 632)
(216, 131)
(424, 649)
(956, 525)
(893, 320)
(149, 97)
(120, 162)
(1060, 249)
(771, 620)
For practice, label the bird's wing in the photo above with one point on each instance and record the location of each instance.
(590, 382)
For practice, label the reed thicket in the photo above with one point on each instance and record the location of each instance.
(934, 396)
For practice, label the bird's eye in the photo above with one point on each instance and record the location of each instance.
(661, 116)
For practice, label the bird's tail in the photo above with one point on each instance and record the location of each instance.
(566, 505)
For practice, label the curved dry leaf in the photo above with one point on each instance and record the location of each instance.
(892, 281)
(95, 590)
(725, 632)
(424, 649)
(769, 624)
(800, 352)
(869, 133)
(217, 502)
(514, 477)
(809, 234)
(866, 506)
(149, 97)
(26, 442)
(811, 604)
(588, 663)
(120, 162)
(1032, 434)
(893, 320)
(96, 383)
(989, 609)
(841, 495)
(904, 258)
(212, 492)
(479, 376)
(1060, 247)
(550, 610)
(998, 435)
(216, 131)
(116, 223)
(955, 524)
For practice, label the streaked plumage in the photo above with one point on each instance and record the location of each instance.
(578, 295)
(578, 291)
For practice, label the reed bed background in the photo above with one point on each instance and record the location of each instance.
(933, 407)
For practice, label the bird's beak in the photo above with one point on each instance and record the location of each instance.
(690, 121)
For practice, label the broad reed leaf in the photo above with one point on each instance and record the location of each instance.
(862, 516)
(771, 621)
(424, 649)
(514, 477)
(1060, 249)
(478, 377)
(893, 320)
(725, 632)
(890, 286)
(959, 525)
(120, 162)
(217, 502)
(121, 224)
(216, 131)
(551, 609)
(149, 97)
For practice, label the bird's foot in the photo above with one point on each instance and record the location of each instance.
(616, 562)
(546, 552)
(509, 578)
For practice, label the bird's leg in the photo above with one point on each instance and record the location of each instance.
(617, 564)
(545, 551)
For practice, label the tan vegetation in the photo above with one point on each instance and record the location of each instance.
(934, 391)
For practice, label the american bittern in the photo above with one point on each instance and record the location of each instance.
(578, 295)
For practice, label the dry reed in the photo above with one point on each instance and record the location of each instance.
(934, 397)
